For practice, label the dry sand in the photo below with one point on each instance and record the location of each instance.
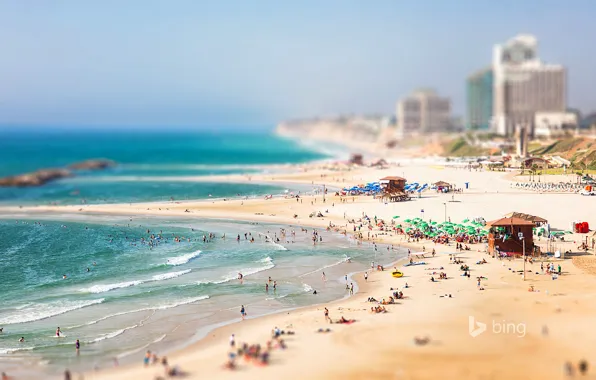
(545, 328)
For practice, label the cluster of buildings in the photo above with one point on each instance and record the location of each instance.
(517, 96)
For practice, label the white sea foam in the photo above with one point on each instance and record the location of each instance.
(45, 310)
(307, 288)
(13, 350)
(269, 264)
(167, 276)
(266, 260)
(345, 259)
(184, 301)
(274, 243)
(180, 260)
(158, 277)
(114, 334)
(108, 287)
(279, 246)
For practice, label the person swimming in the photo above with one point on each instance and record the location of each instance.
(64, 277)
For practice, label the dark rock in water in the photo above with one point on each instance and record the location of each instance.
(98, 164)
(41, 177)
(37, 178)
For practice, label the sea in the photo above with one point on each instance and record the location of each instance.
(122, 285)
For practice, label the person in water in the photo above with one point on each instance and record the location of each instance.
(242, 312)
(22, 340)
(58, 332)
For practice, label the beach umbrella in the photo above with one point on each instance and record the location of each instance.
(395, 217)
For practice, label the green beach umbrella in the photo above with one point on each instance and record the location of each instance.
(395, 217)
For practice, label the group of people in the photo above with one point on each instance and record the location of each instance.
(152, 359)
(255, 353)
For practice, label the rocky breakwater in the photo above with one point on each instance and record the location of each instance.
(43, 176)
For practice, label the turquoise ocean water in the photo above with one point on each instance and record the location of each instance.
(149, 283)
(143, 155)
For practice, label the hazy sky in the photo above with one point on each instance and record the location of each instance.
(223, 62)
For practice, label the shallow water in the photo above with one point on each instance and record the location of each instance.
(136, 296)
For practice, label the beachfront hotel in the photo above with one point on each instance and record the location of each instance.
(479, 92)
(423, 111)
(523, 85)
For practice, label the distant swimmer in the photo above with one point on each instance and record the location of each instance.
(315, 292)
(58, 332)
(64, 277)
(88, 270)
(22, 339)
(240, 276)
(269, 278)
(267, 287)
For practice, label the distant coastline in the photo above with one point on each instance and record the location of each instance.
(346, 133)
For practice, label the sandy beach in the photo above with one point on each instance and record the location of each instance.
(528, 334)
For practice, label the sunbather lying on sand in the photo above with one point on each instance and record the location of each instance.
(346, 321)
(421, 341)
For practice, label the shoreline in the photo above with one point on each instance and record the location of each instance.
(382, 345)
(212, 335)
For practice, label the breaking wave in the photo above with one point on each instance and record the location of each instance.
(45, 310)
(180, 260)
(158, 277)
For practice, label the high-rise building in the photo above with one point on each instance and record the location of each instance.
(423, 112)
(480, 99)
(523, 85)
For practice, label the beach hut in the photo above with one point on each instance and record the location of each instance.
(507, 236)
(443, 186)
(394, 188)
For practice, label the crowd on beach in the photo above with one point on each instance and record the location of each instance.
(549, 187)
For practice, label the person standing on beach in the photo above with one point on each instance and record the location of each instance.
(351, 288)
(232, 341)
(365, 276)
(327, 315)
(242, 312)
(323, 277)
(77, 346)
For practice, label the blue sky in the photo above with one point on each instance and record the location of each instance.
(223, 62)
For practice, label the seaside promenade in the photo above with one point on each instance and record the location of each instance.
(492, 330)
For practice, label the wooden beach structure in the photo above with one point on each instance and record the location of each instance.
(538, 221)
(394, 189)
(504, 236)
(443, 185)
